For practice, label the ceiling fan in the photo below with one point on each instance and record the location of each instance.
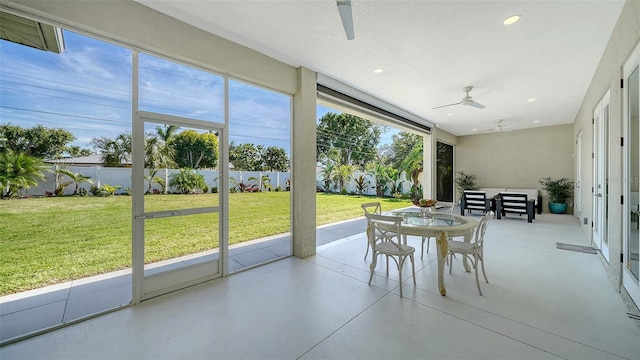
(467, 100)
(344, 8)
(498, 127)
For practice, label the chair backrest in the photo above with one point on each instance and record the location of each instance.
(446, 207)
(515, 202)
(384, 228)
(474, 199)
(482, 228)
(372, 208)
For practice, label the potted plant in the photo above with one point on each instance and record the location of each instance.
(559, 190)
(465, 182)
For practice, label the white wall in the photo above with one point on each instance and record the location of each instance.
(122, 177)
(624, 37)
(517, 159)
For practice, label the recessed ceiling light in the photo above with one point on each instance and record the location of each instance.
(531, 100)
(450, 114)
(474, 129)
(536, 121)
(378, 71)
(511, 20)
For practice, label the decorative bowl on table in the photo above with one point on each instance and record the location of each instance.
(426, 206)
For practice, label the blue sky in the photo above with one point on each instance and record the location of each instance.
(87, 91)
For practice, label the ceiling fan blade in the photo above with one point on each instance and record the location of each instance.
(474, 104)
(438, 107)
(344, 8)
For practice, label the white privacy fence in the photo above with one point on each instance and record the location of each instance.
(122, 177)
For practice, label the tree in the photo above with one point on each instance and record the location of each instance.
(196, 150)
(153, 179)
(246, 157)
(76, 178)
(38, 141)
(356, 138)
(401, 146)
(19, 171)
(412, 164)
(341, 175)
(275, 159)
(384, 175)
(167, 153)
(114, 151)
(327, 172)
(76, 151)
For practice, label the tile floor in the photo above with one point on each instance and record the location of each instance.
(541, 302)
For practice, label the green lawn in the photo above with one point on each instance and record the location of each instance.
(50, 240)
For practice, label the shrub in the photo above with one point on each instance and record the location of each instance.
(187, 181)
(104, 190)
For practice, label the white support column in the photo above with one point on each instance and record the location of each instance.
(303, 159)
(427, 178)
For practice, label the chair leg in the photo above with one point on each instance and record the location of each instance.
(475, 266)
(400, 264)
(450, 262)
(387, 265)
(366, 253)
(413, 268)
(483, 273)
(374, 262)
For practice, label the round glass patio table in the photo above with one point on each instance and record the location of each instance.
(438, 225)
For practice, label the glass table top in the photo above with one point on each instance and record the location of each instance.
(413, 217)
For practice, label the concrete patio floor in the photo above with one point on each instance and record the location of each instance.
(540, 302)
(32, 311)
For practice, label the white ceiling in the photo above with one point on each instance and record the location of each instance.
(430, 50)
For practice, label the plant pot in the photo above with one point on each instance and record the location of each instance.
(558, 208)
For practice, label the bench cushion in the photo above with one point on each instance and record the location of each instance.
(532, 194)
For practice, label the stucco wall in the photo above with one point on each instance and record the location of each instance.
(517, 159)
(624, 38)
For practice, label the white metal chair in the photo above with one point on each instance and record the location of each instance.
(370, 208)
(386, 240)
(473, 251)
(448, 209)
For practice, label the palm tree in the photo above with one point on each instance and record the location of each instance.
(114, 151)
(19, 171)
(166, 152)
(341, 175)
(265, 182)
(381, 176)
(76, 178)
(412, 164)
(152, 178)
(327, 172)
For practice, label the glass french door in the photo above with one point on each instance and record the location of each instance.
(444, 172)
(631, 190)
(600, 166)
(178, 214)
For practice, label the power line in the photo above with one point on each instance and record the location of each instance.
(63, 114)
